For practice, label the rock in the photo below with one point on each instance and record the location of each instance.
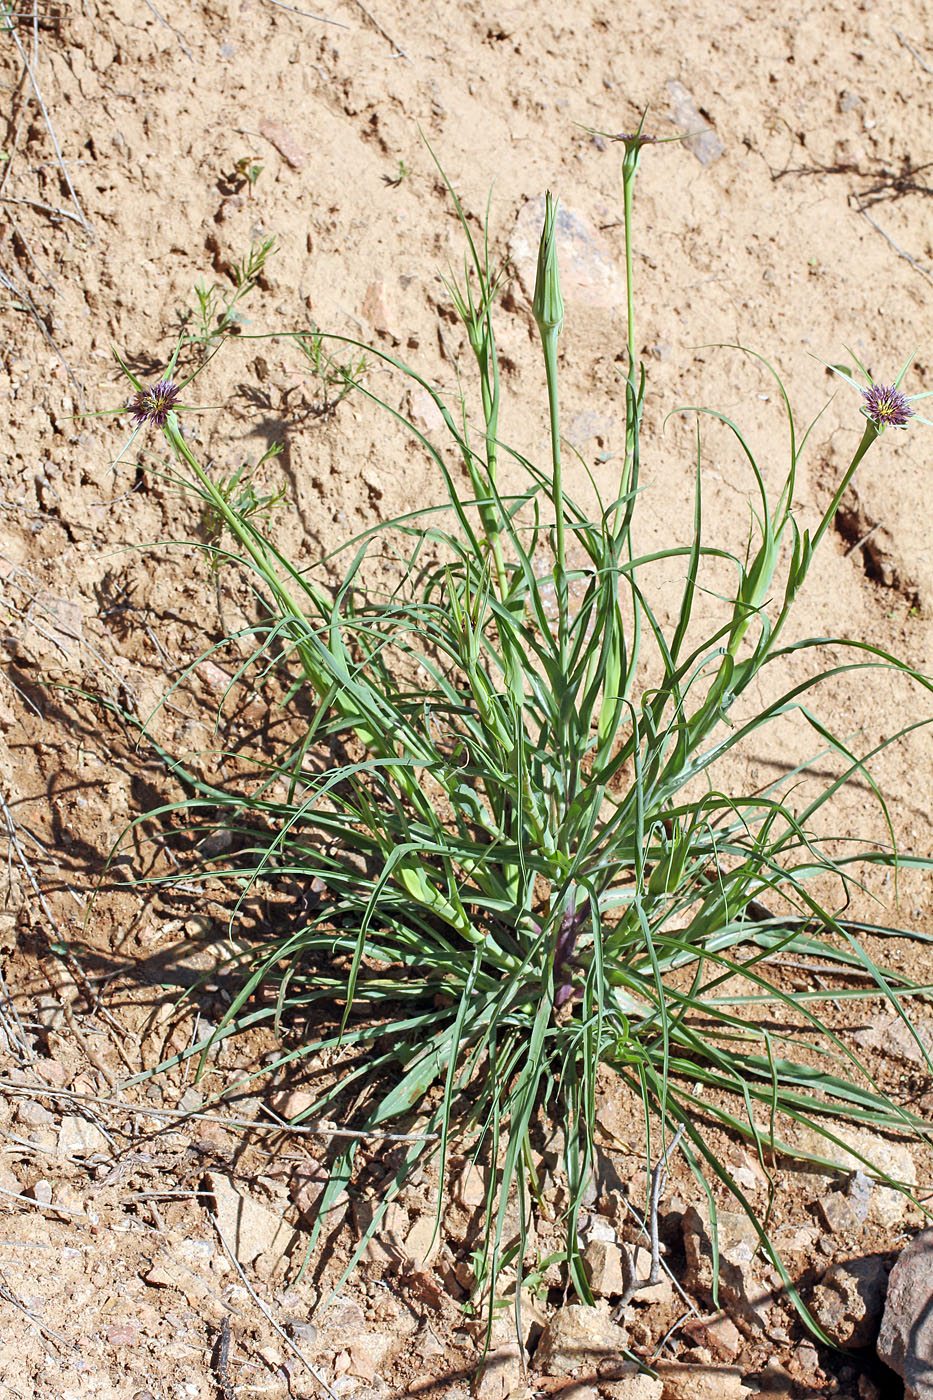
(501, 1374)
(304, 1333)
(41, 1191)
(893, 1038)
(284, 142)
(597, 1230)
(718, 1334)
(121, 1335)
(375, 308)
(806, 1362)
(368, 1354)
(774, 1381)
(589, 273)
(905, 1342)
(578, 1338)
(423, 1240)
(470, 1186)
(848, 1301)
(249, 1229)
(387, 1245)
(700, 1382)
(306, 1186)
(79, 1138)
(886, 1205)
(602, 1264)
(795, 1239)
(426, 415)
(292, 1103)
(635, 1386)
(661, 1292)
(847, 1210)
(425, 1288)
(700, 139)
(33, 1114)
(837, 1214)
(172, 1276)
(740, 1289)
(428, 1344)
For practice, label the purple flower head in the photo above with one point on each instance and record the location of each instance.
(635, 138)
(564, 960)
(153, 405)
(886, 406)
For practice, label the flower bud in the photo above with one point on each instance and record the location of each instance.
(548, 304)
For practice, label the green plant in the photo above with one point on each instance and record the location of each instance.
(216, 315)
(337, 375)
(238, 492)
(395, 180)
(246, 172)
(524, 867)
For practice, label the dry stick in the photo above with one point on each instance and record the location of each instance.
(924, 272)
(910, 49)
(221, 1360)
(177, 33)
(267, 1313)
(148, 1111)
(42, 107)
(632, 1284)
(7, 1292)
(44, 208)
(42, 1205)
(65, 1003)
(321, 19)
(24, 1050)
(864, 540)
(378, 27)
(29, 305)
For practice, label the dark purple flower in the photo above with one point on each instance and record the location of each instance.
(570, 926)
(154, 404)
(886, 406)
(635, 138)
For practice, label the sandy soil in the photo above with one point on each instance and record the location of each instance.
(796, 224)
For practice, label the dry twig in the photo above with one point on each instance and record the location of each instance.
(267, 1312)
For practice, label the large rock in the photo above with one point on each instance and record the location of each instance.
(249, 1229)
(602, 1264)
(905, 1342)
(740, 1289)
(863, 1152)
(501, 1373)
(892, 1036)
(634, 1385)
(699, 137)
(687, 1382)
(848, 1301)
(718, 1334)
(578, 1338)
(589, 271)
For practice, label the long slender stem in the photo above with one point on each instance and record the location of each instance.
(549, 339)
(868, 437)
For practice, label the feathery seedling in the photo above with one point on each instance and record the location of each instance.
(336, 374)
(522, 863)
(216, 315)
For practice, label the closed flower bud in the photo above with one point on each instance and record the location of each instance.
(548, 304)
